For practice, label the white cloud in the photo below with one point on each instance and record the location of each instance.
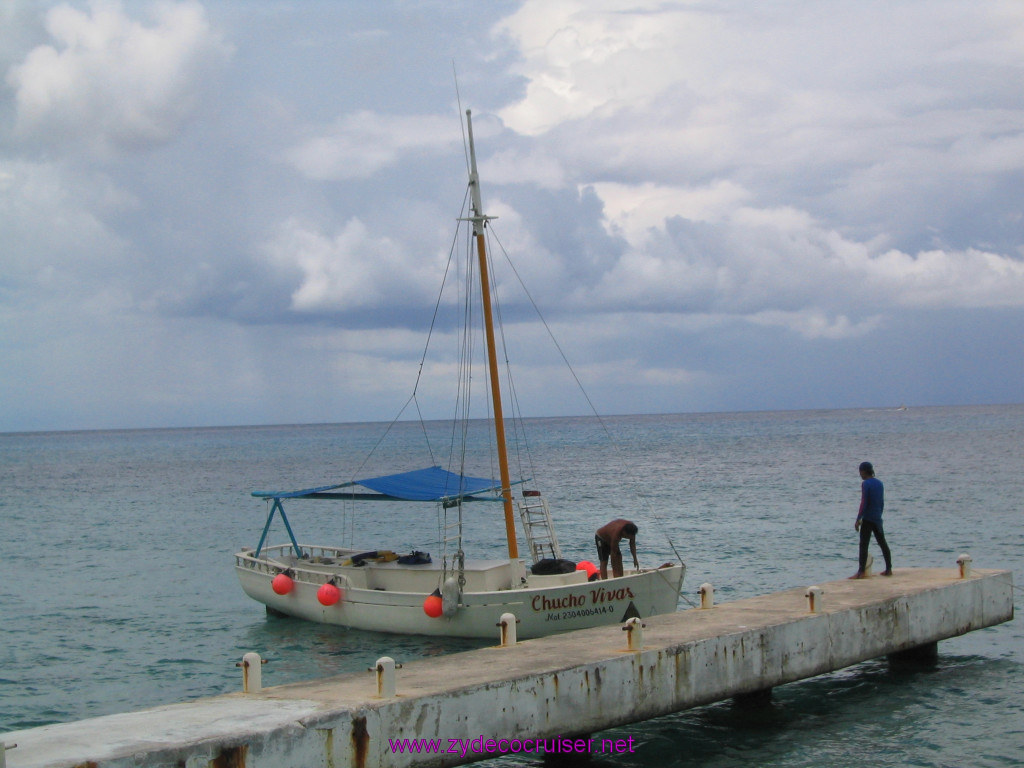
(516, 167)
(634, 210)
(350, 270)
(52, 224)
(940, 279)
(583, 59)
(705, 251)
(110, 82)
(814, 324)
(691, 190)
(829, 107)
(543, 272)
(360, 144)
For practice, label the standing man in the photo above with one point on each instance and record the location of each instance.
(607, 540)
(869, 519)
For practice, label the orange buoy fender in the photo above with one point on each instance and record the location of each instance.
(588, 567)
(433, 606)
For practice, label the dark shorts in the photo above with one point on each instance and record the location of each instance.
(604, 549)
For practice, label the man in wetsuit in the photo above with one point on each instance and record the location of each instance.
(607, 540)
(869, 520)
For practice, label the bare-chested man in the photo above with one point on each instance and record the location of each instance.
(607, 540)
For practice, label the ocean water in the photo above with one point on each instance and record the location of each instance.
(117, 589)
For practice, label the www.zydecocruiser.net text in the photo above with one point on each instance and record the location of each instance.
(484, 746)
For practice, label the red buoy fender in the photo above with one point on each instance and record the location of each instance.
(282, 584)
(433, 606)
(588, 567)
(328, 594)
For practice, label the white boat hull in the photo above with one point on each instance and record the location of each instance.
(543, 605)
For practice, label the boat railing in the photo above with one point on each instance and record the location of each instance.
(314, 570)
(273, 560)
(322, 564)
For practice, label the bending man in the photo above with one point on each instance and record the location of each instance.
(607, 540)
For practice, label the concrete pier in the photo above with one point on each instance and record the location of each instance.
(539, 694)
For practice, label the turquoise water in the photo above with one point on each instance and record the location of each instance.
(117, 589)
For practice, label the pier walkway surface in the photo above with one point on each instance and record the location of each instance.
(547, 694)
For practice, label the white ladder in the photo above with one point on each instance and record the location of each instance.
(540, 534)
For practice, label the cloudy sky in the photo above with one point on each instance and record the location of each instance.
(217, 213)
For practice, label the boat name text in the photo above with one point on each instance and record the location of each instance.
(597, 597)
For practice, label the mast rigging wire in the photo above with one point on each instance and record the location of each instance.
(590, 403)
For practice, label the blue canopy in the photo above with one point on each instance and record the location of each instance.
(430, 484)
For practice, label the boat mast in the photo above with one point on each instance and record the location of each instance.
(479, 221)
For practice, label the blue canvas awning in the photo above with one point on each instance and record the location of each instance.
(430, 484)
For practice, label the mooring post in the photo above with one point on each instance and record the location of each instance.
(385, 677)
(964, 561)
(814, 601)
(507, 628)
(634, 629)
(707, 595)
(3, 753)
(252, 672)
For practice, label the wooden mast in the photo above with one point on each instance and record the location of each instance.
(479, 220)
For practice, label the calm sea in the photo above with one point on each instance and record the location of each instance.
(117, 590)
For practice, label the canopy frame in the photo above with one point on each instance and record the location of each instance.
(430, 484)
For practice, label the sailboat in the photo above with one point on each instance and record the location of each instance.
(378, 589)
